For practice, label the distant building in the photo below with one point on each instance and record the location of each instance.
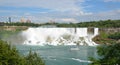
(9, 19)
(28, 21)
(22, 20)
(52, 21)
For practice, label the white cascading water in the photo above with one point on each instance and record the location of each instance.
(59, 36)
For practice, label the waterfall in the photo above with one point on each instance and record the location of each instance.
(59, 36)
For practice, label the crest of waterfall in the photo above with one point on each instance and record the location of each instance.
(59, 36)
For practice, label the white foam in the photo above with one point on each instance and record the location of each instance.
(79, 60)
(58, 36)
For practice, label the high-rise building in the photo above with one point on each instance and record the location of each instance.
(22, 20)
(52, 21)
(28, 21)
(9, 18)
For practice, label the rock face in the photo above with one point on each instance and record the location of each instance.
(109, 30)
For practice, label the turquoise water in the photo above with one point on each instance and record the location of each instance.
(61, 55)
(53, 55)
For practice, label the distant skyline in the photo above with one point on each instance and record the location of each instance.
(41, 11)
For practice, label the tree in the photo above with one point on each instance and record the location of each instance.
(115, 36)
(10, 56)
(109, 55)
(34, 59)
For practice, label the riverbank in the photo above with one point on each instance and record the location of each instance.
(106, 36)
(13, 28)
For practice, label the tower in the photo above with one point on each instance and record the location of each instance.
(9, 19)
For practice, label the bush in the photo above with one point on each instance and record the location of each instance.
(34, 59)
(109, 55)
(115, 36)
(10, 56)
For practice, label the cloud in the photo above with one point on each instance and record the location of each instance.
(113, 14)
(109, 13)
(58, 10)
(67, 20)
(62, 5)
(6, 11)
(111, 0)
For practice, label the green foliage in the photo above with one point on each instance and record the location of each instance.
(104, 35)
(115, 36)
(100, 24)
(10, 56)
(34, 59)
(20, 24)
(109, 55)
(103, 38)
(6, 34)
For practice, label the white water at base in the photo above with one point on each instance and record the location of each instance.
(81, 60)
(59, 36)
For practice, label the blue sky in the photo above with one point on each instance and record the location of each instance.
(41, 11)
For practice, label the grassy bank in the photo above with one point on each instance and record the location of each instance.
(13, 28)
(99, 24)
(107, 38)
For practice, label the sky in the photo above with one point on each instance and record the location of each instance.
(62, 11)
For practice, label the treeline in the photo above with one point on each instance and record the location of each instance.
(100, 24)
(25, 24)
(10, 56)
(19, 24)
